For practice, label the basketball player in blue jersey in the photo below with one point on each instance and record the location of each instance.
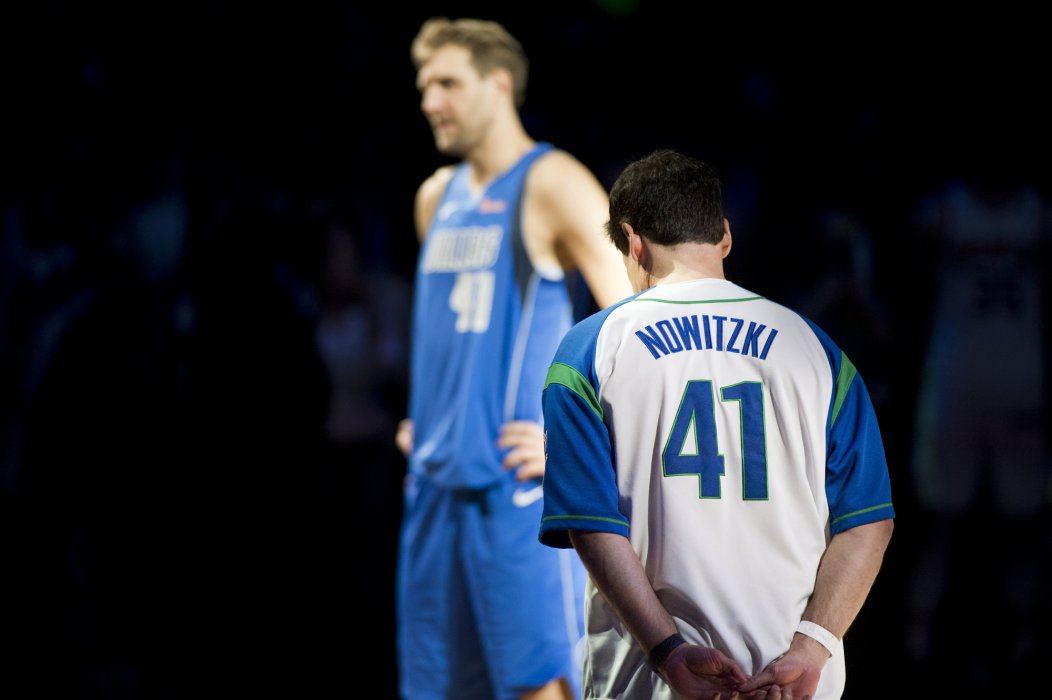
(484, 610)
(716, 461)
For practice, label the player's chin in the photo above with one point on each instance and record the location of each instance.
(446, 149)
(446, 144)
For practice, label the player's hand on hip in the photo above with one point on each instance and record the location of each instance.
(404, 436)
(524, 440)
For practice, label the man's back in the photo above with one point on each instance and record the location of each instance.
(719, 405)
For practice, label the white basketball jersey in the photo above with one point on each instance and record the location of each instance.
(728, 438)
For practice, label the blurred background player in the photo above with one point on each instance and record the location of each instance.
(484, 610)
(981, 457)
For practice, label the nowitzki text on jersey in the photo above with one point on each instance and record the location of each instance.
(705, 332)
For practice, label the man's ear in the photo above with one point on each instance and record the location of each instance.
(502, 79)
(637, 247)
(725, 243)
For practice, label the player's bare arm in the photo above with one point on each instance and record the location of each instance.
(846, 574)
(564, 213)
(692, 670)
(564, 221)
(617, 572)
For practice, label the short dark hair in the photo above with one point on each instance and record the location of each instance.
(668, 197)
(490, 44)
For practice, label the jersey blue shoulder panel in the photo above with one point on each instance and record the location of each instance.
(580, 486)
(858, 487)
(577, 348)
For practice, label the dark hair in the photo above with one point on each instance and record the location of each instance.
(490, 44)
(668, 197)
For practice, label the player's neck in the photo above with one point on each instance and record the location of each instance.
(688, 262)
(506, 142)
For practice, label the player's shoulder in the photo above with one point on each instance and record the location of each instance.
(428, 195)
(560, 181)
(589, 328)
(555, 165)
(431, 189)
(580, 345)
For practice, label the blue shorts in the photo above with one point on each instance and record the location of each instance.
(484, 609)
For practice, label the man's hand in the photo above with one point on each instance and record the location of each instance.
(404, 436)
(695, 671)
(796, 671)
(524, 441)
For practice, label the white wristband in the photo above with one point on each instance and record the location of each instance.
(820, 634)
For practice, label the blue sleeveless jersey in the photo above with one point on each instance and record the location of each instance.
(486, 325)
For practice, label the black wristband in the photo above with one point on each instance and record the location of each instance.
(659, 654)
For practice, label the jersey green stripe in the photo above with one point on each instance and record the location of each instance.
(699, 301)
(585, 517)
(843, 382)
(859, 512)
(560, 373)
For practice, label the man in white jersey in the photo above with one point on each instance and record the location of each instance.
(715, 460)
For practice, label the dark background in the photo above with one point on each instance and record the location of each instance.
(168, 172)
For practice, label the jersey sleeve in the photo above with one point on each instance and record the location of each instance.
(858, 486)
(580, 486)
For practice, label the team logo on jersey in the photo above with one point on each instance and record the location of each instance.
(458, 248)
(492, 206)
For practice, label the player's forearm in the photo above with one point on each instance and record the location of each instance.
(846, 575)
(617, 572)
